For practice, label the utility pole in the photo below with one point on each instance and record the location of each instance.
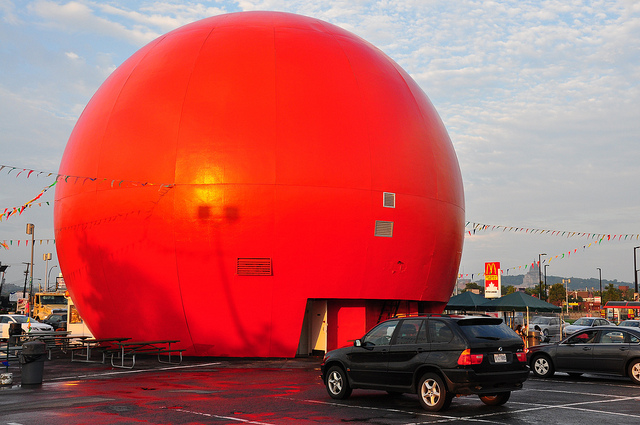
(26, 276)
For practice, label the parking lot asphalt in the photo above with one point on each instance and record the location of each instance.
(283, 391)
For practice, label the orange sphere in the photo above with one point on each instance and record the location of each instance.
(242, 164)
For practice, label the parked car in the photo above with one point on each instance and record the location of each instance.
(607, 350)
(547, 326)
(633, 323)
(58, 321)
(586, 322)
(436, 357)
(31, 326)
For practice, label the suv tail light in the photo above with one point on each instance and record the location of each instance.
(466, 358)
(522, 356)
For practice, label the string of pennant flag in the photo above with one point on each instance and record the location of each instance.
(27, 173)
(18, 210)
(69, 178)
(7, 243)
(472, 228)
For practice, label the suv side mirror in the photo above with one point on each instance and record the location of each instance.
(357, 343)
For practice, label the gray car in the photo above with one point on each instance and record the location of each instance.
(609, 350)
(586, 322)
(632, 323)
(547, 326)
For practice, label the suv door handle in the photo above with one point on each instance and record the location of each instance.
(586, 348)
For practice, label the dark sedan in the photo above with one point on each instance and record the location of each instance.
(57, 320)
(609, 350)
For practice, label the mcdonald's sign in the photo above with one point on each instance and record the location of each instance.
(492, 281)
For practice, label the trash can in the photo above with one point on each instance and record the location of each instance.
(32, 362)
(15, 330)
(533, 338)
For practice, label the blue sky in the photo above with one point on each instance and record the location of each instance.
(540, 98)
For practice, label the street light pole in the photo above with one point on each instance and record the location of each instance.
(601, 294)
(540, 272)
(566, 292)
(546, 291)
(31, 230)
(48, 276)
(46, 257)
(635, 270)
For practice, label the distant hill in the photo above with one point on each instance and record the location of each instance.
(575, 284)
(7, 288)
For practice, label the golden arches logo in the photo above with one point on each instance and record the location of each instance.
(491, 269)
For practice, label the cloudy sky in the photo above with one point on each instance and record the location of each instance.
(541, 100)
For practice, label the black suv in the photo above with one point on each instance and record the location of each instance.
(437, 357)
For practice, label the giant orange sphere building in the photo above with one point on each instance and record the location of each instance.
(257, 184)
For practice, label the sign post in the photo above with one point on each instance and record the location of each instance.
(492, 280)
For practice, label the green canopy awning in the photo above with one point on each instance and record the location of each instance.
(519, 301)
(466, 301)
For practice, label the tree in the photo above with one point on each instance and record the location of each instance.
(509, 289)
(532, 291)
(557, 293)
(472, 285)
(611, 293)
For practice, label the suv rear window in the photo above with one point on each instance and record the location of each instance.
(486, 328)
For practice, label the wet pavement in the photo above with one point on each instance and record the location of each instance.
(282, 391)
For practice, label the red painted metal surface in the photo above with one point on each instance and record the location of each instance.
(253, 135)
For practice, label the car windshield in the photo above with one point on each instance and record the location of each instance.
(53, 299)
(381, 334)
(20, 319)
(584, 321)
(486, 329)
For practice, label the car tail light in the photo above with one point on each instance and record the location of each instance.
(522, 356)
(466, 358)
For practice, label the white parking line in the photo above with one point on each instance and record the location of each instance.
(485, 417)
(126, 372)
(439, 417)
(229, 418)
(579, 393)
(585, 382)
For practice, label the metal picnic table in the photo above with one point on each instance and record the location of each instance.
(131, 348)
(87, 345)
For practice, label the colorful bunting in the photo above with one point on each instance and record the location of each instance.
(474, 228)
(8, 212)
(76, 179)
(599, 238)
(9, 242)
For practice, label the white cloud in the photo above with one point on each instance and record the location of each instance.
(74, 17)
(540, 98)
